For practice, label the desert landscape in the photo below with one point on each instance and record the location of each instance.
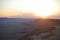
(19, 28)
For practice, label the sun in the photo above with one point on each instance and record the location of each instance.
(42, 8)
(46, 8)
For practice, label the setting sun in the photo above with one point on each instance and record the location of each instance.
(42, 8)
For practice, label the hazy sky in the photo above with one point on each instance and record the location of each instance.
(39, 7)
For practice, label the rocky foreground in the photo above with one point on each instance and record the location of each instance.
(41, 34)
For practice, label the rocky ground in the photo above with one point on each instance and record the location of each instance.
(56, 35)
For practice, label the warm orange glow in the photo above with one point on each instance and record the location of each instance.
(44, 15)
(41, 8)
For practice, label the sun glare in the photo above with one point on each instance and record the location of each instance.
(41, 8)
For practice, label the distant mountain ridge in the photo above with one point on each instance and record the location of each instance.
(20, 16)
(52, 17)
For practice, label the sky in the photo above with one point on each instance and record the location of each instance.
(28, 7)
